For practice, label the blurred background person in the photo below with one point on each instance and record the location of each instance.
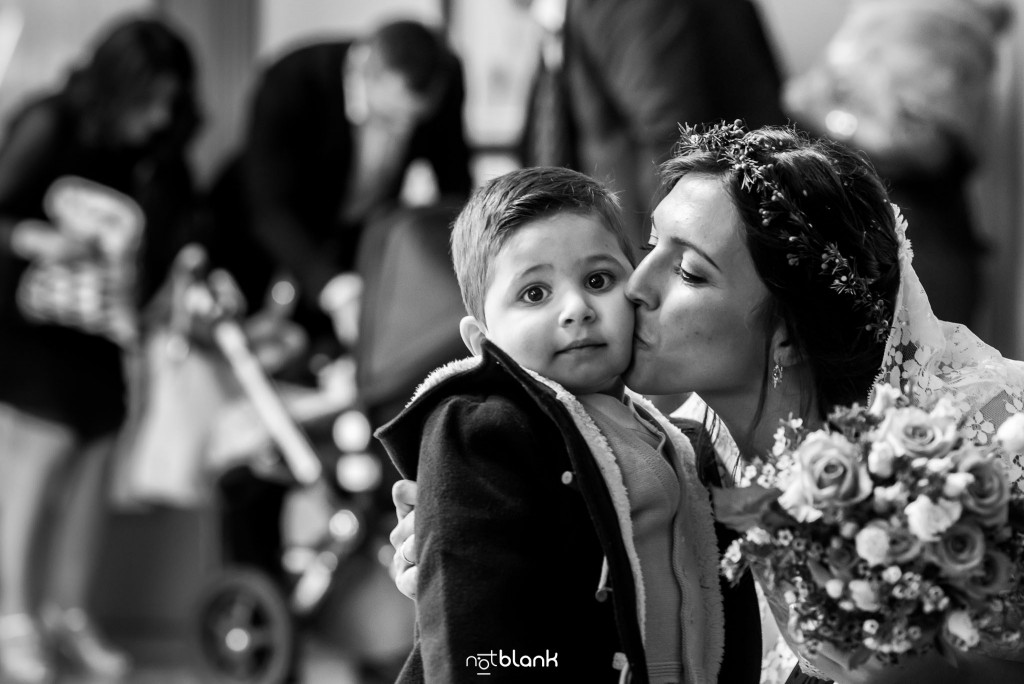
(615, 80)
(332, 129)
(910, 83)
(121, 120)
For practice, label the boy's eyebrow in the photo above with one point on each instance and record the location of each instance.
(532, 269)
(689, 245)
(604, 258)
(591, 259)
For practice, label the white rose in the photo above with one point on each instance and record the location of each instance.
(834, 587)
(892, 574)
(927, 519)
(880, 459)
(917, 433)
(956, 484)
(873, 544)
(757, 535)
(863, 594)
(893, 495)
(959, 624)
(885, 398)
(1011, 433)
(796, 501)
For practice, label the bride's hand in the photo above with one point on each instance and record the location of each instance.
(403, 564)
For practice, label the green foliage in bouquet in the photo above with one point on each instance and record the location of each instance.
(886, 532)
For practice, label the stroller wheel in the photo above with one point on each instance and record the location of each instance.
(245, 631)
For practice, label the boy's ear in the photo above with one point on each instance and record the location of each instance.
(784, 349)
(473, 333)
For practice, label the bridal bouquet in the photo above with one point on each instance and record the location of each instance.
(886, 532)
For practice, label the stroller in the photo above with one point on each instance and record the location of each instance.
(324, 470)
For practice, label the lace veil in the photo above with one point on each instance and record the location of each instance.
(931, 358)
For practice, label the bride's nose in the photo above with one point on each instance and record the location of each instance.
(639, 287)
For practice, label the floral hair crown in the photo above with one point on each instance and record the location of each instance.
(735, 145)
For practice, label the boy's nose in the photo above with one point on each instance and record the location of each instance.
(576, 309)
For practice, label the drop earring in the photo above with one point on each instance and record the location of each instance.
(776, 374)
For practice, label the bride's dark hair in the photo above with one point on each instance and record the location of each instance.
(822, 236)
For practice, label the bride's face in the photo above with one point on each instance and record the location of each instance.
(697, 296)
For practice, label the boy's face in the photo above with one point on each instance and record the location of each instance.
(557, 303)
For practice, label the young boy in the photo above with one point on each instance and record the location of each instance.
(563, 533)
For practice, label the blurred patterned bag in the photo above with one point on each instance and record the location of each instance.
(95, 294)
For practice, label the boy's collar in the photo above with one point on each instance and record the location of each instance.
(617, 391)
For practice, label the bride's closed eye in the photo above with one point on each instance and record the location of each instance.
(688, 277)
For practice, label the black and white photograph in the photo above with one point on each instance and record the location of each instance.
(500, 341)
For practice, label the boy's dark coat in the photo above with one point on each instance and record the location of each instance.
(549, 482)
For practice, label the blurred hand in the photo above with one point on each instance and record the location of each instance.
(341, 299)
(403, 564)
(198, 300)
(37, 240)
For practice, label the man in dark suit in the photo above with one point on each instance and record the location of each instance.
(332, 130)
(622, 76)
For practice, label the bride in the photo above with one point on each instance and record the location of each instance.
(779, 282)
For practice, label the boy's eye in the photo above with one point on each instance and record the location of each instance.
(533, 294)
(598, 281)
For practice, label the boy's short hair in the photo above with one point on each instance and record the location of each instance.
(503, 204)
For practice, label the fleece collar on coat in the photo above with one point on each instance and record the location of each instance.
(703, 629)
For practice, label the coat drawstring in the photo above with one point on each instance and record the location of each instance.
(621, 662)
(602, 586)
